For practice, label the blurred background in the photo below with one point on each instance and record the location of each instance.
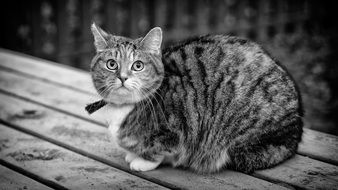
(302, 34)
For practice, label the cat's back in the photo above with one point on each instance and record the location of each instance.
(214, 53)
(216, 72)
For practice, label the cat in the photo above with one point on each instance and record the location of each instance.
(210, 103)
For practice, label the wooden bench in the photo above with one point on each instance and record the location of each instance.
(47, 140)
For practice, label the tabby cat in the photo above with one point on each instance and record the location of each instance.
(209, 103)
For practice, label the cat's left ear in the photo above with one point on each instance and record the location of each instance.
(100, 38)
(152, 41)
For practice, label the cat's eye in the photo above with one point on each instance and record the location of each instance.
(137, 66)
(112, 65)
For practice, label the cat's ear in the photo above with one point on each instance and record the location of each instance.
(152, 41)
(100, 38)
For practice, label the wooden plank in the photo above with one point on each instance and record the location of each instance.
(47, 70)
(70, 101)
(93, 141)
(62, 166)
(320, 146)
(10, 179)
(316, 145)
(304, 173)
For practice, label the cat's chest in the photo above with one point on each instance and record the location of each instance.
(115, 116)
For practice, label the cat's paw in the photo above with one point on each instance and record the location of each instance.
(130, 157)
(140, 164)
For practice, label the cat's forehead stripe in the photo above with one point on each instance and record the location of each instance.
(124, 50)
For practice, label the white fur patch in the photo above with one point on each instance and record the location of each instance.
(140, 164)
(115, 115)
(127, 141)
(222, 160)
(129, 157)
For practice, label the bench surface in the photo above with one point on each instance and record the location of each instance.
(48, 141)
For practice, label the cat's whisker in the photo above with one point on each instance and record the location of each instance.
(137, 113)
(152, 109)
(161, 99)
(159, 95)
(143, 107)
(152, 112)
(142, 103)
(159, 106)
(136, 87)
(99, 92)
(107, 89)
(149, 102)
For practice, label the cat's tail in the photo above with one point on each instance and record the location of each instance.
(250, 156)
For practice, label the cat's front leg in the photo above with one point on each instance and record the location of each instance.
(130, 156)
(140, 164)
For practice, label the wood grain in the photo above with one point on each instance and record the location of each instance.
(319, 145)
(303, 172)
(93, 140)
(10, 180)
(47, 70)
(48, 94)
(62, 166)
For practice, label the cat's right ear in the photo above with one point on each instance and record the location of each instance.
(152, 41)
(100, 38)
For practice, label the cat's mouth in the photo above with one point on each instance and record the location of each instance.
(122, 90)
(120, 95)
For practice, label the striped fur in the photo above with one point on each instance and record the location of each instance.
(215, 102)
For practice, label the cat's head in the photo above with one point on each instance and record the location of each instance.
(125, 70)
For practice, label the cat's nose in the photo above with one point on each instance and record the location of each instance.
(123, 79)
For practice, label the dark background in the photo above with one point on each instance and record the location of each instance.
(302, 34)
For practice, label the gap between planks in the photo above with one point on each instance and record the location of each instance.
(11, 177)
(63, 74)
(54, 108)
(46, 80)
(33, 176)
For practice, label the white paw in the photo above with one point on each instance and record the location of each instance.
(130, 157)
(140, 164)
